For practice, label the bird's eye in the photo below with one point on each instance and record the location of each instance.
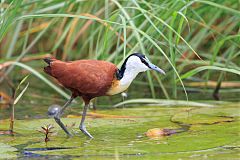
(144, 61)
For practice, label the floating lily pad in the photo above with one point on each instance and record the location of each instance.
(7, 151)
(122, 135)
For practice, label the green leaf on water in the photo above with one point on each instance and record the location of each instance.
(7, 151)
(208, 135)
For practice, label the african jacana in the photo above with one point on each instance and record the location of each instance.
(94, 78)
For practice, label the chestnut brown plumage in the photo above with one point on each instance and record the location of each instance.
(85, 78)
(93, 78)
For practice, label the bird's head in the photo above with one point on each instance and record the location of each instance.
(140, 63)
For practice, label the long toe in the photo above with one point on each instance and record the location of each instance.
(59, 122)
(69, 135)
(84, 130)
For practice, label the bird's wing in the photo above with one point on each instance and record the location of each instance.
(85, 76)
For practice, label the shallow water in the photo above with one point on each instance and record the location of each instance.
(206, 133)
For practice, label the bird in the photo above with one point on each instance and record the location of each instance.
(95, 78)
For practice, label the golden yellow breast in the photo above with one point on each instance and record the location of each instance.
(116, 88)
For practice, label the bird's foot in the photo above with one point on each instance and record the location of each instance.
(59, 122)
(84, 130)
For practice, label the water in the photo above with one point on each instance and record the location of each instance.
(206, 133)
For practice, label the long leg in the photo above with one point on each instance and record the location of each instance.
(82, 126)
(58, 115)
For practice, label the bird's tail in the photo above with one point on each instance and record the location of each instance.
(48, 69)
(48, 60)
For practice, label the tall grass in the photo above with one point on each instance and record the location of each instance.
(191, 40)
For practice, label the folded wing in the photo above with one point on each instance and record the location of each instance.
(88, 77)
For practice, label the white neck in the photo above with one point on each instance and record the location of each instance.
(129, 75)
(133, 66)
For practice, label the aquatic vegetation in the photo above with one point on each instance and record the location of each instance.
(190, 136)
(47, 131)
(196, 42)
(14, 100)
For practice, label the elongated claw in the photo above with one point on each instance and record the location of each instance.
(59, 122)
(84, 130)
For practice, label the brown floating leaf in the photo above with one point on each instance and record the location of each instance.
(6, 132)
(99, 115)
(158, 132)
